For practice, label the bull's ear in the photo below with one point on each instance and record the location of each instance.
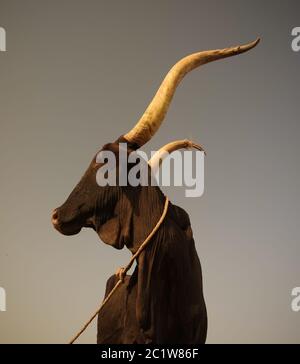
(116, 230)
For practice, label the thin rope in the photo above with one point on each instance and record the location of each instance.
(122, 272)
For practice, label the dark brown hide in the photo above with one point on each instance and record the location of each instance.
(162, 302)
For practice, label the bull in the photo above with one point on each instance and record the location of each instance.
(162, 301)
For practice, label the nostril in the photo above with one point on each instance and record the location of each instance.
(54, 216)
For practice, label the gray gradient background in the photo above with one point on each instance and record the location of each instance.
(77, 74)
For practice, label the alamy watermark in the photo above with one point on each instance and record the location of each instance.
(296, 40)
(136, 169)
(2, 299)
(296, 300)
(2, 40)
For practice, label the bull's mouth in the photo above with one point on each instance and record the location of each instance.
(67, 229)
(71, 227)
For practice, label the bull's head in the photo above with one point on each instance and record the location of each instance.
(109, 210)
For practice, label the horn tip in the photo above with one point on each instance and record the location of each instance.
(257, 40)
(252, 44)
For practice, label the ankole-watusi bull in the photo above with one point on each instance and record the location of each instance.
(162, 301)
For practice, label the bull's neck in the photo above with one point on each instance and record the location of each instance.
(146, 213)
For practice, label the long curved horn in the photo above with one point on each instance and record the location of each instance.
(164, 151)
(152, 118)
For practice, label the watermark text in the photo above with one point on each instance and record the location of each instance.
(184, 168)
(296, 300)
(2, 40)
(2, 299)
(296, 40)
